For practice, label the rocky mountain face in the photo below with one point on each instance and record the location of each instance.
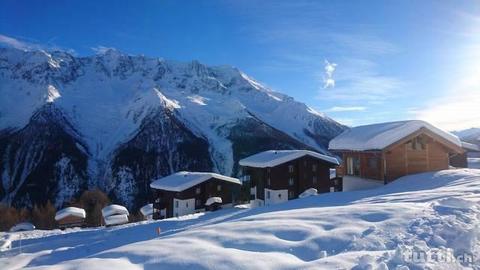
(117, 122)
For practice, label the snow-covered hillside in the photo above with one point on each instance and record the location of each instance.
(425, 214)
(116, 121)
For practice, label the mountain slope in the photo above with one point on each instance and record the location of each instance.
(137, 118)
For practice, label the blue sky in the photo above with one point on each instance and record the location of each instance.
(386, 60)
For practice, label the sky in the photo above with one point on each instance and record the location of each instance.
(359, 62)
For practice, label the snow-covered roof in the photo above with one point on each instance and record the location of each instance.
(183, 180)
(70, 211)
(380, 136)
(114, 209)
(24, 226)
(147, 209)
(116, 219)
(272, 158)
(470, 146)
(213, 200)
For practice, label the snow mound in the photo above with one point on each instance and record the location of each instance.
(423, 221)
(24, 226)
(114, 209)
(213, 200)
(309, 192)
(147, 209)
(70, 211)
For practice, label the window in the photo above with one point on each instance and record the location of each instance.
(268, 194)
(186, 204)
(198, 202)
(219, 187)
(314, 180)
(290, 181)
(290, 168)
(314, 167)
(198, 190)
(279, 195)
(353, 166)
(418, 143)
(291, 194)
(372, 163)
(176, 203)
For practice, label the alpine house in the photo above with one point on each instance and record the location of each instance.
(279, 175)
(184, 193)
(387, 151)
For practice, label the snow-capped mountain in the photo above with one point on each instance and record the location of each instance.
(116, 121)
(471, 135)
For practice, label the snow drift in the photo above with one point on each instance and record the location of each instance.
(433, 214)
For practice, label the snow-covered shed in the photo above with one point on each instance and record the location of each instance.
(70, 217)
(279, 175)
(185, 193)
(115, 214)
(386, 151)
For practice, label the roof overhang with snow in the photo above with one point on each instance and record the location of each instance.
(181, 181)
(470, 147)
(272, 158)
(381, 136)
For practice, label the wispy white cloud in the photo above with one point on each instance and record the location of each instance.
(359, 80)
(21, 44)
(328, 80)
(101, 49)
(16, 43)
(346, 109)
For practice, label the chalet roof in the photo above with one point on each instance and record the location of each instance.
(380, 136)
(272, 158)
(70, 211)
(183, 180)
(470, 146)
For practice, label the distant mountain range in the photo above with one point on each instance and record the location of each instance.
(116, 122)
(471, 135)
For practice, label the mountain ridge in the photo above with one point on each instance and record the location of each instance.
(135, 118)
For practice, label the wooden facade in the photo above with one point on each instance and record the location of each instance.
(164, 200)
(294, 177)
(422, 151)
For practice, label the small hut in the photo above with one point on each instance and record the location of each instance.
(22, 227)
(70, 217)
(115, 214)
(147, 211)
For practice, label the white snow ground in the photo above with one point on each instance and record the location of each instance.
(434, 213)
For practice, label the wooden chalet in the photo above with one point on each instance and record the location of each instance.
(279, 175)
(70, 217)
(184, 193)
(387, 151)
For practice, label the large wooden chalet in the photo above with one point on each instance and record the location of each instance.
(387, 151)
(279, 175)
(185, 193)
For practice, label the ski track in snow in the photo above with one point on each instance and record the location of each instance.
(369, 229)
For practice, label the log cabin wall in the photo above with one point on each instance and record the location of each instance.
(70, 220)
(402, 159)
